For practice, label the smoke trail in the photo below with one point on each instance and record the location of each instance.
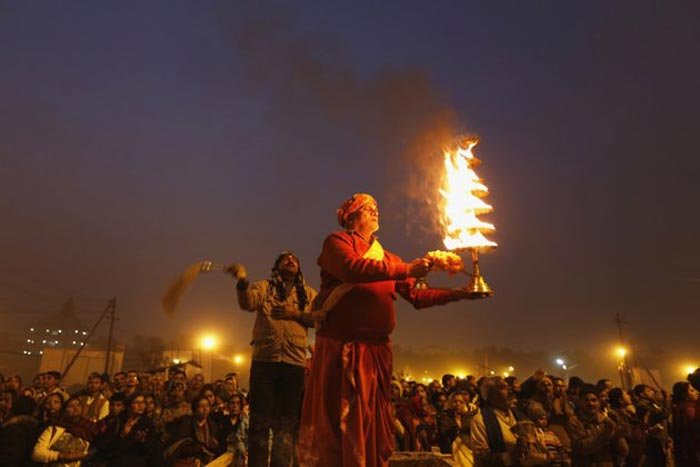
(399, 110)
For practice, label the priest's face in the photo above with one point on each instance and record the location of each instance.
(366, 219)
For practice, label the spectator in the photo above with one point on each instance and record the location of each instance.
(454, 426)
(623, 413)
(686, 425)
(654, 417)
(491, 438)
(197, 439)
(51, 384)
(95, 405)
(50, 410)
(592, 433)
(130, 439)
(68, 439)
(7, 397)
(19, 433)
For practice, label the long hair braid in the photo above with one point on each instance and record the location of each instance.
(299, 285)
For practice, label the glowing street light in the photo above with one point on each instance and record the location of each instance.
(238, 359)
(208, 342)
(560, 361)
(621, 352)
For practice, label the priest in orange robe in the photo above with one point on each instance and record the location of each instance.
(346, 419)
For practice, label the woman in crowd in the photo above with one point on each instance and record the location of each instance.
(19, 433)
(50, 410)
(455, 425)
(197, 438)
(623, 413)
(130, 438)
(66, 441)
(686, 425)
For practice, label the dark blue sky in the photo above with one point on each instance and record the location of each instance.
(139, 137)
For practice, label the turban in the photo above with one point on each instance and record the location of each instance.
(353, 205)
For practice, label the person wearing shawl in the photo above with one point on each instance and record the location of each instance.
(346, 415)
(129, 439)
(66, 442)
(282, 305)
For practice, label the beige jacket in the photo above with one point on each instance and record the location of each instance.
(277, 340)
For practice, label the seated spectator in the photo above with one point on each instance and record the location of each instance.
(68, 439)
(19, 433)
(129, 439)
(52, 386)
(50, 410)
(491, 438)
(197, 437)
(195, 387)
(557, 455)
(153, 410)
(14, 382)
(95, 405)
(686, 425)
(7, 397)
(454, 426)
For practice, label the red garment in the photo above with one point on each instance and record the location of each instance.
(346, 417)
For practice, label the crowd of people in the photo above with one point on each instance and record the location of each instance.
(545, 420)
(342, 408)
(165, 418)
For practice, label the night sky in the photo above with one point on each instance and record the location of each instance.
(137, 138)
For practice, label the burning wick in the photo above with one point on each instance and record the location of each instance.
(462, 193)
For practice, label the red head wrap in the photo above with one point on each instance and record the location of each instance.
(353, 205)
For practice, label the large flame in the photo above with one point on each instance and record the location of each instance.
(462, 194)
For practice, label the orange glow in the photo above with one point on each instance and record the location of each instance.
(462, 194)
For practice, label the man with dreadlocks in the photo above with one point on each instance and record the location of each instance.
(282, 305)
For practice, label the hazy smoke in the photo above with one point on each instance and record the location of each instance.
(398, 110)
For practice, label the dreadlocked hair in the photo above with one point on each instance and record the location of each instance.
(281, 290)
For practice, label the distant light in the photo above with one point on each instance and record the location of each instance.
(76, 331)
(493, 372)
(43, 341)
(563, 367)
(506, 374)
(31, 329)
(84, 333)
(559, 361)
(29, 341)
(47, 330)
(176, 361)
(59, 331)
(41, 352)
(73, 342)
(82, 343)
(688, 369)
(511, 369)
(621, 352)
(29, 353)
(208, 342)
(238, 359)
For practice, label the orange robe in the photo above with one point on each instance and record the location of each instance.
(346, 419)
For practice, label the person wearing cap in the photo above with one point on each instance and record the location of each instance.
(346, 416)
(282, 305)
